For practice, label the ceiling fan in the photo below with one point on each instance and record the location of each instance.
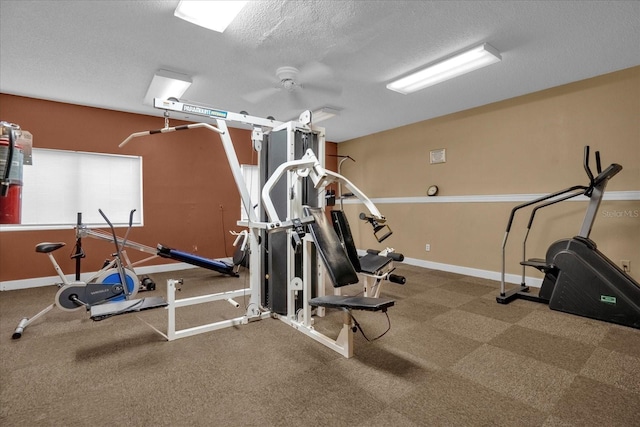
(291, 80)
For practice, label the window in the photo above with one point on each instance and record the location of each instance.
(60, 184)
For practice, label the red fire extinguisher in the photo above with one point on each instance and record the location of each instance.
(11, 163)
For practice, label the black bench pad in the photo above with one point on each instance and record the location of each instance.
(352, 303)
(335, 259)
(371, 263)
(210, 264)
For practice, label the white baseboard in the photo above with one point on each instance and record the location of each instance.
(36, 282)
(475, 272)
(468, 271)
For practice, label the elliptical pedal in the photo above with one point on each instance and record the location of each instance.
(540, 264)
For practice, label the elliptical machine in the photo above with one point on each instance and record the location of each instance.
(578, 278)
(107, 293)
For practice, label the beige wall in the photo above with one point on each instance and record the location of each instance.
(530, 144)
(527, 145)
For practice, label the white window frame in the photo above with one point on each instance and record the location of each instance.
(61, 183)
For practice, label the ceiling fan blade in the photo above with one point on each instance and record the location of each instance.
(259, 95)
(327, 88)
(314, 71)
(295, 100)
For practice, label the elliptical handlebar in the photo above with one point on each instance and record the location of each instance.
(542, 199)
(593, 181)
(113, 230)
(608, 173)
(585, 162)
(120, 267)
(559, 196)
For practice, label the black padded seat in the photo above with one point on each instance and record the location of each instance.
(46, 247)
(352, 303)
(371, 263)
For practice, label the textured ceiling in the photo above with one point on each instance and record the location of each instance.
(104, 53)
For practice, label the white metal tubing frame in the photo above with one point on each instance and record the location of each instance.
(193, 109)
(309, 166)
(252, 313)
(254, 225)
(343, 344)
(56, 266)
(373, 282)
(84, 231)
(230, 152)
(26, 321)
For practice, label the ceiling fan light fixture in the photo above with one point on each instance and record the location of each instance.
(454, 66)
(213, 15)
(166, 84)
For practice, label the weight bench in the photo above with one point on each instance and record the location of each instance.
(210, 264)
(342, 273)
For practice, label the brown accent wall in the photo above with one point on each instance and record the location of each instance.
(529, 144)
(190, 199)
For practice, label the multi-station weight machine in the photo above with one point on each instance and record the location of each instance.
(290, 241)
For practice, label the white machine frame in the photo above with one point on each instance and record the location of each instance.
(302, 320)
(294, 169)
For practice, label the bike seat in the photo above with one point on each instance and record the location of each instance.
(46, 247)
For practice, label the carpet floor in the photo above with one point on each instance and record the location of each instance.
(453, 357)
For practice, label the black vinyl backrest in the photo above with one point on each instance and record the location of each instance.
(330, 249)
(341, 226)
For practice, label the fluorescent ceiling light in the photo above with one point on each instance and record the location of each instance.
(213, 15)
(457, 65)
(167, 84)
(324, 113)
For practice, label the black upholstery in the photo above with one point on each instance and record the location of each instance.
(341, 226)
(46, 247)
(210, 264)
(371, 263)
(330, 249)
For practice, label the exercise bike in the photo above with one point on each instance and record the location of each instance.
(107, 293)
(578, 278)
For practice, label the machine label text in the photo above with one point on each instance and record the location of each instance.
(621, 214)
(204, 111)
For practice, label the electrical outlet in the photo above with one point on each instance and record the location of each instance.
(626, 265)
(427, 247)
